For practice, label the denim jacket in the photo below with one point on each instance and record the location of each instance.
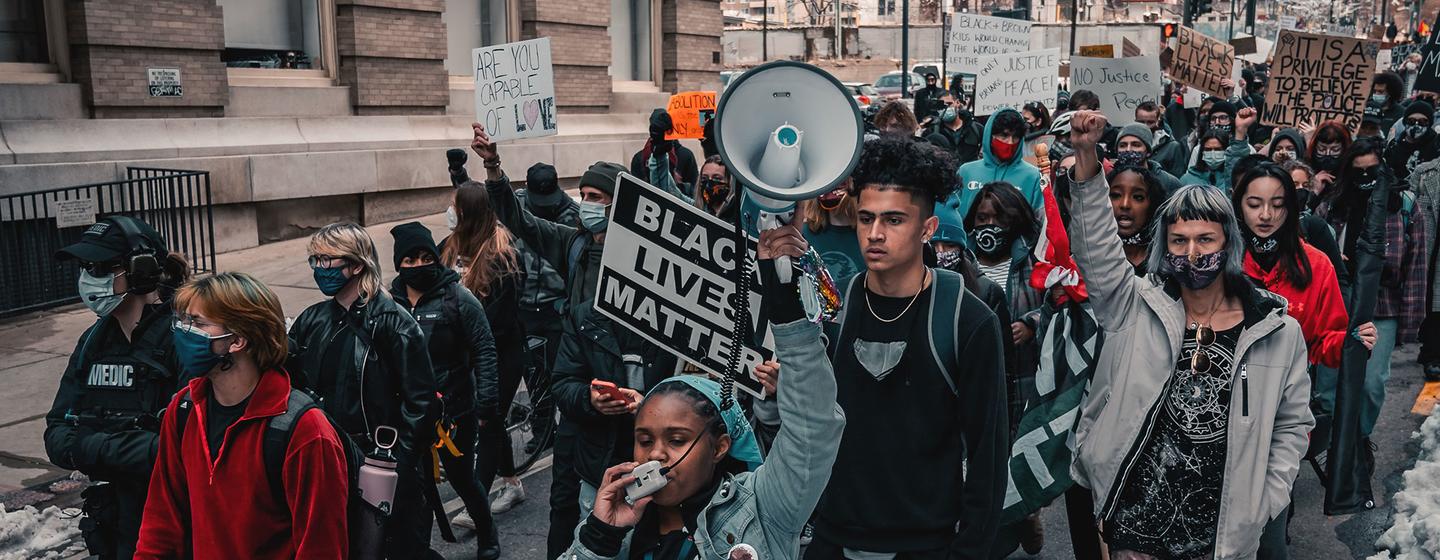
(767, 508)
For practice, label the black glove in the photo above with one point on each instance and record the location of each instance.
(782, 300)
(660, 124)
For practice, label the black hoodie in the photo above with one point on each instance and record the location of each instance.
(462, 348)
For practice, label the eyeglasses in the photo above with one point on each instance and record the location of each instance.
(190, 324)
(101, 270)
(327, 261)
(1416, 122)
(1200, 360)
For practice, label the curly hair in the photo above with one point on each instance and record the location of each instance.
(896, 118)
(920, 168)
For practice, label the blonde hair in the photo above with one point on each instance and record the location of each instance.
(481, 239)
(349, 240)
(817, 218)
(244, 306)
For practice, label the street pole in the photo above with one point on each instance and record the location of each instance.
(905, 49)
(839, 41)
(1232, 20)
(1074, 25)
(944, 49)
(765, 32)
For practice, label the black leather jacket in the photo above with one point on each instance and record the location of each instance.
(389, 384)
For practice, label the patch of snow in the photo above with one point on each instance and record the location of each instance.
(46, 534)
(1415, 534)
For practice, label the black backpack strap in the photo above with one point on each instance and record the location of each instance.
(182, 412)
(945, 303)
(277, 439)
(833, 329)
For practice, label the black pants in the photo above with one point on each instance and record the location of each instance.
(564, 492)
(460, 471)
(407, 530)
(1080, 515)
(1275, 539)
(113, 515)
(495, 455)
(1430, 339)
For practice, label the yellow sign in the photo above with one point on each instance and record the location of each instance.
(690, 110)
(1098, 51)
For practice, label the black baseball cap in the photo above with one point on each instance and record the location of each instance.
(106, 242)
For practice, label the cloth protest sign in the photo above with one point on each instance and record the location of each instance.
(1202, 62)
(689, 111)
(1014, 79)
(515, 89)
(973, 36)
(1121, 83)
(667, 274)
(1319, 77)
(1098, 51)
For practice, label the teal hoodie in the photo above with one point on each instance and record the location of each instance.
(988, 169)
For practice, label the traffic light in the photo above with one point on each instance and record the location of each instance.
(1168, 31)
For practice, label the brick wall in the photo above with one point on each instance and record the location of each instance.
(392, 56)
(690, 41)
(114, 42)
(579, 49)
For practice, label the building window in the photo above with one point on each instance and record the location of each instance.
(283, 34)
(22, 32)
(470, 24)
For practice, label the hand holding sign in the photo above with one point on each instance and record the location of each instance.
(515, 89)
(482, 145)
(783, 241)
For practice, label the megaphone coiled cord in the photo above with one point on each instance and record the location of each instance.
(739, 301)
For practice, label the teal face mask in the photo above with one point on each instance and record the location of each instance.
(592, 216)
(192, 348)
(330, 280)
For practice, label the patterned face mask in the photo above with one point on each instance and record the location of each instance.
(1195, 273)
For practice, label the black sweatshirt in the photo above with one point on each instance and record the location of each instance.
(900, 482)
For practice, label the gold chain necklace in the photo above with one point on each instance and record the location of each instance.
(877, 317)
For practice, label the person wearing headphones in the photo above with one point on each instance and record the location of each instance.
(105, 418)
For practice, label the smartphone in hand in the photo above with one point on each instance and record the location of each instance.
(609, 389)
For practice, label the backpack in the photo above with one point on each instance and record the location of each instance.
(944, 347)
(278, 430)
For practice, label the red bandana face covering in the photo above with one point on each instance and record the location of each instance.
(1005, 151)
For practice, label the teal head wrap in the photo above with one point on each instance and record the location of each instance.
(743, 445)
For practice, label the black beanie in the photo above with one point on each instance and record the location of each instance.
(411, 237)
(1420, 107)
(1223, 106)
(602, 176)
(541, 179)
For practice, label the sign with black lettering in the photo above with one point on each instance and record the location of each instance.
(1317, 78)
(1014, 79)
(164, 82)
(1121, 83)
(973, 36)
(667, 274)
(1201, 62)
(515, 89)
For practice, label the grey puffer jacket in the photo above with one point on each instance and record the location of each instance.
(767, 508)
(1269, 418)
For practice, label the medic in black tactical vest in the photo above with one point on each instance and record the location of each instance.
(120, 376)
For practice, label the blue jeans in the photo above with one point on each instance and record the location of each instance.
(1377, 373)
(587, 503)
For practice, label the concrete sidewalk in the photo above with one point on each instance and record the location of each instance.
(35, 348)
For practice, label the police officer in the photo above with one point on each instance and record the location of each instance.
(121, 375)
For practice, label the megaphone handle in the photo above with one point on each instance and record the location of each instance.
(783, 269)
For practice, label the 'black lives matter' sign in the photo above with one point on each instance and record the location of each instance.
(1317, 78)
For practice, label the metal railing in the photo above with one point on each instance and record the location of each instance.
(34, 225)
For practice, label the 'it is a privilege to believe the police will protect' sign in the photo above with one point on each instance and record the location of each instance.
(515, 89)
(667, 274)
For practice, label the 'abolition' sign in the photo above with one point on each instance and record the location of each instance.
(689, 111)
(1319, 77)
(973, 36)
(1202, 62)
(1014, 79)
(1121, 83)
(667, 274)
(515, 89)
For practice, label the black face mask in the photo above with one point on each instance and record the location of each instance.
(1364, 179)
(1327, 163)
(991, 240)
(421, 277)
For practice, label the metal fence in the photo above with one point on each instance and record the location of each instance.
(33, 226)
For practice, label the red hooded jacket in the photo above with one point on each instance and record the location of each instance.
(199, 508)
(1319, 307)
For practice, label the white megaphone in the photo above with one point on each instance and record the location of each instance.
(787, 131)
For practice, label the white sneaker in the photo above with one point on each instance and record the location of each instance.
(463, 520)
(505, 497)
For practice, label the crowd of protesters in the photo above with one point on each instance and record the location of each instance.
(1201, 259)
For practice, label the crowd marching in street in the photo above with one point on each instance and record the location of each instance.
(1191, 275)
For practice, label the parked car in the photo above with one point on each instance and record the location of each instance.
(923, 68)
(726, 77)
(889, 84)
(864, 94)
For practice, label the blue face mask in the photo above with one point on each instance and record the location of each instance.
(1379, 98)
(330, 280)
(592, 216)
(192, 348)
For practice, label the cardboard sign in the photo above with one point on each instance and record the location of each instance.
(1319, 77)
(1014, 79)
(78, 212)
(1244, 45)
(1098, 51)
(690, 111)
(1201, 62)
(164, 82)
(1121, 83)
(515, 89)
(1128, 49)
(973, 36)
(667, 274)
